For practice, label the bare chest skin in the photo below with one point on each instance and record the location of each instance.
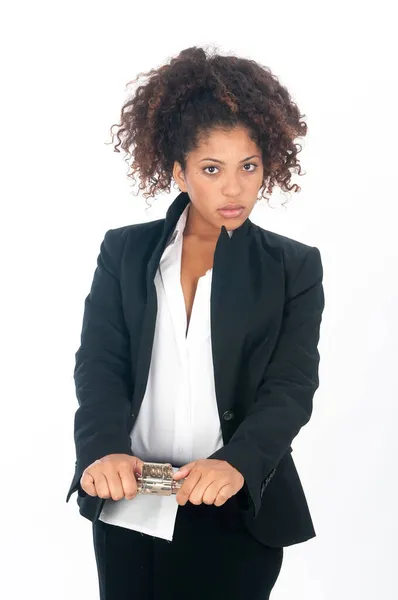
(196, 259)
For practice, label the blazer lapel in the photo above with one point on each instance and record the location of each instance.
(247, 293)
(149, 320)
(247, 289)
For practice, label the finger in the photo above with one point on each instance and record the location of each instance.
(101, 485)
(129, 481)
(137, 465)
(184, 470)
(114, 484)
(87, 484)
(224, 494)
(185, 490)
(196, 496)
(211, 492)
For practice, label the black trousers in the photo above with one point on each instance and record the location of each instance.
(211, 556)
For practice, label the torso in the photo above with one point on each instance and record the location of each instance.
(197, 258)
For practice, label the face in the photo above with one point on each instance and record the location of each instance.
(225, 170)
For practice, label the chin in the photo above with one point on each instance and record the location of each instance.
(232, 222)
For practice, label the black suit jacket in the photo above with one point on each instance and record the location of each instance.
(267, 301)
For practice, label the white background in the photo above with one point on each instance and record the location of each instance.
(64, 70)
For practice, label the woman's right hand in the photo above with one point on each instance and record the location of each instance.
(112, 476)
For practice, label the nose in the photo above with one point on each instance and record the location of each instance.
(232, 187)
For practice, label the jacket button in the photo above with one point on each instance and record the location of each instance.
(228, 415)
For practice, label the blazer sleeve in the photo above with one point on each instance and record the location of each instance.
(102, 372)
(284, 399)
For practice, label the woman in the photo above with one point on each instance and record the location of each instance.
(199, 345)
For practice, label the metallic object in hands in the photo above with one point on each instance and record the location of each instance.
(157, 478)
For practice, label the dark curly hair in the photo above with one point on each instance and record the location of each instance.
(183, 100)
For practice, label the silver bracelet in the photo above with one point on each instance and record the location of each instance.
(157, 478)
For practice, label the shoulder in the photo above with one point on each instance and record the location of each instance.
(133, 235)
(298, 257)
(290, 247)
(136, 230)
(122, 245)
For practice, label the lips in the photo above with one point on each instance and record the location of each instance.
(231, 207)
(231, 211)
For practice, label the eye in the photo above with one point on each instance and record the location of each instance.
(252, 164)
(211, 167)
(214, 167)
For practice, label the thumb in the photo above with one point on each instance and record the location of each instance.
(137, 465)
(184, 470)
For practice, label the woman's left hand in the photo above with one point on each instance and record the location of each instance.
(209, 481)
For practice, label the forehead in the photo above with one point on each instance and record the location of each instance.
(227, 143)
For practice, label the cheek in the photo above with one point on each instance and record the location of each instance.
(194, 180)
(199, 189)
(255, 181)
(200, 181)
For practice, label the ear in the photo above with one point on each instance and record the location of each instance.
(178, 176)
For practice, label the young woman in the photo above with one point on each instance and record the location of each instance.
(199, 345)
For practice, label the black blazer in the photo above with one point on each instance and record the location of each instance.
(267, 301)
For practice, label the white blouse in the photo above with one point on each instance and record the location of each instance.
(178, 421)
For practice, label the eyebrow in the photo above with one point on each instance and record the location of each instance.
(223, 163)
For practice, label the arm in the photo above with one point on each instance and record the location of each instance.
(284, 400)
(102, 372)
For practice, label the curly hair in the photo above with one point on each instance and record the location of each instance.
(182, 101)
